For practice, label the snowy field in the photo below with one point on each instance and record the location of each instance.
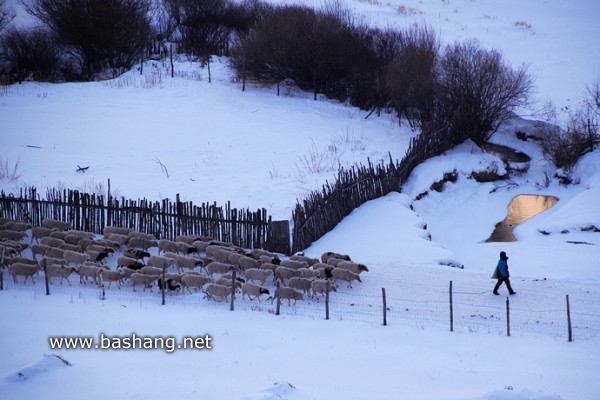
(259, 150)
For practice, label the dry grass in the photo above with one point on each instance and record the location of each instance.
(9, 171)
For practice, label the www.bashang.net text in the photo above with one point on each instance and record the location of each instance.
(131, 342)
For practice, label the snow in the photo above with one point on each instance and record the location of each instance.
(257, 150)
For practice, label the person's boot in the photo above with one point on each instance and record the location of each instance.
(496, 293)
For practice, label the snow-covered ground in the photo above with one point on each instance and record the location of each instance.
(258, 150)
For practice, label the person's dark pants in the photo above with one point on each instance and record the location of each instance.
(507, 282)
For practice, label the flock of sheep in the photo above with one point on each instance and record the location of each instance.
(187, 263)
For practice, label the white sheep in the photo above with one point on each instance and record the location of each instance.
(76, 258)
(54, 223)
(59, 271)
(245, 263)
(39, 232)
(345, 275)
(51, 241)
(108, 243)
(55, 252)
(118, 238)
(190, 263)
(310, 273)
(200, 246)
(188, 239)
(18, 247)
(227, 281)
(151, 271)
(287, 293)
(352, 266)
(18, 226)
(132, 263)
(16, 259)
(301, 284)
(330, 254)
(137, 254)
(12, 235)
(222, 254)
(111, 276)
(269, 266)
(127, 272)
(143, 279)
(322, 286)
(38, 249)
(283, 273)
(220, 268)
(72, 247)
(45, 261)
(256, 274)
(194, 281)
(26, 270)
(85, 242)
(114, 229)
(257, 253)
(73, 237)
(294, 264)
(310, 261)
(142, 243)
(160, 261)
(89, 271)
(8, 251)
(251, 289)
(165, 245)
(147, 236)
(334, 261)
(184, 248)
(213, 290)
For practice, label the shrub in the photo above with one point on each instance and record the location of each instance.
(32, 54)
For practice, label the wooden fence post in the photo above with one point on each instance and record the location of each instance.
(327, 300)
(507, 317)
(451, 310)
(1, 280)
(278, 240)
(46, 279)
(233, 290)
(164, 283)
(384, 307)
(278, 298)
(570, 331)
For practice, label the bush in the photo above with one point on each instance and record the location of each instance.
(31, 54)
(477, 92)
(103, 35)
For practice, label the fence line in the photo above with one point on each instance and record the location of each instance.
(364, 307)
(164, 219)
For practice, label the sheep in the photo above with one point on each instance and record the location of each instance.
(142, 243)
(213, 290)
(99, 248)
(132, 263)
(22, 269)
(170, 254)
(234, 258)
(18, 226)
(283, 273)
(12, 260)
(188, 239)
(200, 246)
(184, 248)
(118, 238)
(18, 247)
(287, 293)
(51, 241)
(45, 261)
(269, 266)
(251, 289)
(55, 252)
(12, 235)
(151, 271)
(170, 284)
(85, 242)
(227, 281)
(211, 248)
(73, 237)
(58, 270)
(352, 266)
(111, 276)
(222, 255)
(310, 261)
(302, 284)
(194, 281)
(8, 251)
(166, 245)
(72, 247)
(269, 259)
(188, 263)
(142, 279)
(245, 263)
(324, 269)
(334, 261)
(114, 229)
(138, 254)
(257, 253)
(322, 286)
(38, 249)
(310, 273)
(219, 268)
(39, 232)
(330, 254)
(294, 264)
(75, 257)
(160, 261)
(345, 275)
(54, 223)
(58, 235)
(256, 274)
(89, 271)
(147, 236)
(107, 243)
(99, 256)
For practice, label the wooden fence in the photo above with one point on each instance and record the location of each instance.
(322, 210)
(164, 219)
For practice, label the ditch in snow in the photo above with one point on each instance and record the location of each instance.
(520, 209)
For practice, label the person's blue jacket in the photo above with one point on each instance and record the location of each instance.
(503, 268)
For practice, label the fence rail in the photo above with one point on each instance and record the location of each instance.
(164, 219)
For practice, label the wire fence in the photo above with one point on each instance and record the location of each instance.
(440, 304)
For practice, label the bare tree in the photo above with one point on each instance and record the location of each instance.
(104, 35)
(6, 15)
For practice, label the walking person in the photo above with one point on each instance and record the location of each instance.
(502, 274)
